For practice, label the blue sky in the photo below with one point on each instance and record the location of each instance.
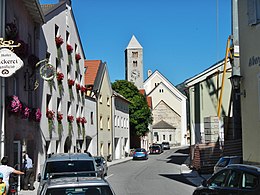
(180, 38)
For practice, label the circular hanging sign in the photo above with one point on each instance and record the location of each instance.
(9, 62)
(47, 72)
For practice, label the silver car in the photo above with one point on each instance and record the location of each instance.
(69, 163)
(101, 165)
(77, 186)
(227, 160)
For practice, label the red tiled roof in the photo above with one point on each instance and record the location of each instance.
(142, 91)
(149, 101)
(91, 71)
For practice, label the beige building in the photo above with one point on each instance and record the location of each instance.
(99, 87)
(249, 31)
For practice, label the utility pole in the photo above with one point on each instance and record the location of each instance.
(236, 76)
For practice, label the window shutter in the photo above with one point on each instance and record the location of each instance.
(251, 12)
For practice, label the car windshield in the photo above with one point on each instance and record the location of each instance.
(95, 190)
(156, 147)
(223, 162)
(140, 150)
(69, 166)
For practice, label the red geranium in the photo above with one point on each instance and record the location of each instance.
(59, 41)
(59, 116)
(60, 76)
(83, 89)
(69, 48)
(50, 114)
(70, 118)
(78, 119)
(77, 57)
(71, 82)
(83, 120)
(78, 86)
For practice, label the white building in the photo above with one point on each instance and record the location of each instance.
(121, 128)
(168, 109)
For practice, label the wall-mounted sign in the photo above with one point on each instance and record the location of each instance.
(9, 62)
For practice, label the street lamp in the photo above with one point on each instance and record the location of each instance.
(235, 82)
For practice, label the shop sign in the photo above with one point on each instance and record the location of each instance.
(9, 62)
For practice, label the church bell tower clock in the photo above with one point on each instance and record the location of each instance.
(134, 63)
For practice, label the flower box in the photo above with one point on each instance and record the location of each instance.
(78, 119)
(37, 115)
(59, 41)
(78, 86)
(26, 113)
(15, 104)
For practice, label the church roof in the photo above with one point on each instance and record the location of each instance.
(134, 44)
(163, 125)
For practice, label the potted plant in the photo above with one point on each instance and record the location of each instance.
(50, 114)
(26, 112)
(70, 119)
(59, 41)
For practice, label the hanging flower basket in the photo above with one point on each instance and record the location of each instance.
(77, 57)
(83, 120)
(50, 114)
(59, 117)
(83, 89)
(69, 48)
(71, 82)
(26, 113)
(60, 76)
(15, 105)
(59, 41)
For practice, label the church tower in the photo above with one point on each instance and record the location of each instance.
(134, 63)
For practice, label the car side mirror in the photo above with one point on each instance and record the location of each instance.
(204, 183)
(39, 177)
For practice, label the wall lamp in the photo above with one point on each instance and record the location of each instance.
(235, 82)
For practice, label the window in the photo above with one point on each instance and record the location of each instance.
(134, 54)
(135, 64)
(170, 137)
(249, 181)
(233, 180)
(100, 99)
(163, 137)
(101, 122)
(253, 10)
(160, 90)
(219, 179)
(108, 123)
(92, 118)
(108, 101)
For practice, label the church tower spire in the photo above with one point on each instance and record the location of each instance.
(134, 63)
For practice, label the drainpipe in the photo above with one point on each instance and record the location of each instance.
(2, 92)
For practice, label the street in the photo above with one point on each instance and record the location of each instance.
(160, 174)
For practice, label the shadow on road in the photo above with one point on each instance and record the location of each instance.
(182, 178)
(181, 156)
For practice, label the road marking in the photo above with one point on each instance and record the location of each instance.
(109, 176)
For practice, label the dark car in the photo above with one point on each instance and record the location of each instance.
(166, 145)
(101, 165)
(140, 153)
(227, 160)
(155, 149)
(234, 179)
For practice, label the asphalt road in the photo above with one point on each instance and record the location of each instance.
(160, 174)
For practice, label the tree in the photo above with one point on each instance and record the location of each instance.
(139, 112)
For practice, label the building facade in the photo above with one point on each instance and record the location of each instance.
(248, 15)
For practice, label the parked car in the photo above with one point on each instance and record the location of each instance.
(57, 164)
(140, 153)
(166, 145)
(155, 149)
(227, 160)
(101, 165)
(234, 179)
(77, 186)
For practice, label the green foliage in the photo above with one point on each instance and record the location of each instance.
(139, 112)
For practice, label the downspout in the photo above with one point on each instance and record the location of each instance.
(2, 114)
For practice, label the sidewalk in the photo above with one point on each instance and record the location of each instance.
(36, 184)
